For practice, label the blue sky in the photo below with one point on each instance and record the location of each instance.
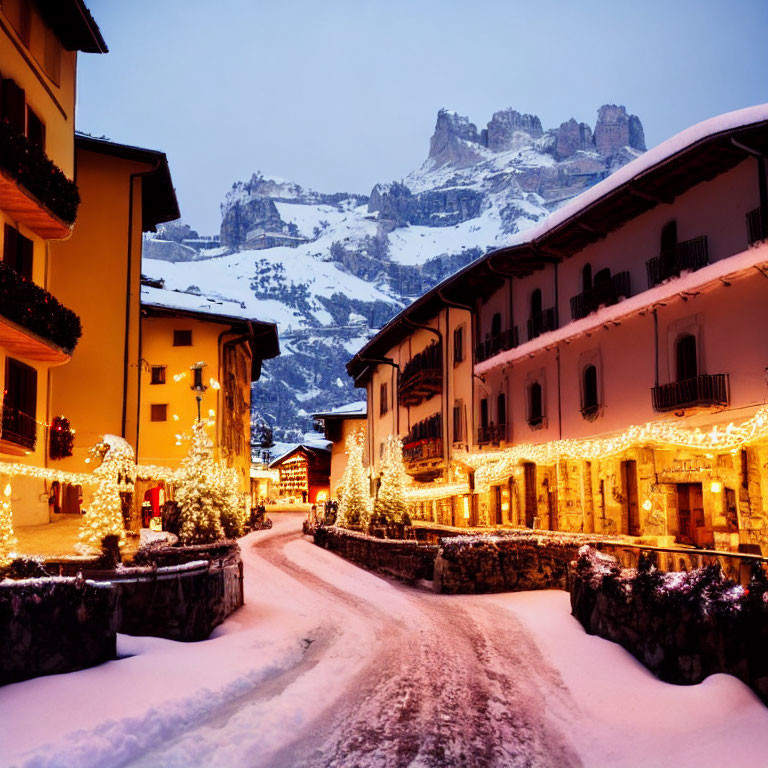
(338, 95)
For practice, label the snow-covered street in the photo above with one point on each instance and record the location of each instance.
(329, 665)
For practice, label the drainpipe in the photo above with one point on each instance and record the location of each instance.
(126, 346)
(559, 401)
(656, 346)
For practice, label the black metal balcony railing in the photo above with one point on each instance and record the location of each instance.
(601, 295)
(493, 433)
(503, 341)
(757, 225)
(32, 307)
(690, 254)
(541, 323)
(422, 376)
(18, 428)
(706, 389)
(29, 166)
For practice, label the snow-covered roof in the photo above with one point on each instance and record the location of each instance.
(161, 297)
(315, 447)
(357, 409)
(659, 175)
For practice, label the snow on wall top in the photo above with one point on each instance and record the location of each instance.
(358, 408)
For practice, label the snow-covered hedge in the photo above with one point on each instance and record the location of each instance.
(684, 626)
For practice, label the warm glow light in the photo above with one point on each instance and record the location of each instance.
(175, 416)
(466, 507)
(7, 490)
(647, 505)
(214, 384)
(715, 486)
(179, 376)
(212, 413)
(505, 506)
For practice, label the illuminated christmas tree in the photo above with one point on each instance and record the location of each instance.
(200, 497)
(390, 506)
(355, 502)
(7, 536)
(233, 504)
(104, 516)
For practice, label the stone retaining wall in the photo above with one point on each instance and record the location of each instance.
(682, 626)
(50, 626)
(403, 559)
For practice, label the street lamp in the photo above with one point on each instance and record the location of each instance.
(197, 384)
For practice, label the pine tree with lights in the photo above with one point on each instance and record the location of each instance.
(233, 504)
(390, 506)
(104, 516)
(355, 502)
(200, 497)
(7, 537)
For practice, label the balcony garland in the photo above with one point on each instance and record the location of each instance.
(32, 307)
(33, 169)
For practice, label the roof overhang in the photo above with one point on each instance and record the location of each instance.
(73, 24)
(159, 203)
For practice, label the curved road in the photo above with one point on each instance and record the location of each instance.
(433, 680)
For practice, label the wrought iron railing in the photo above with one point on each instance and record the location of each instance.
(603, 294)
(493, 433)
(757, 225)
(706, 389)
(690, 254)
(541, 323)
(503, 341)
(18, 428)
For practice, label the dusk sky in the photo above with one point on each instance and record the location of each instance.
(338, 95)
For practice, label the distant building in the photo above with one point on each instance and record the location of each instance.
(304, 474)
(258, 239)
(338, 424)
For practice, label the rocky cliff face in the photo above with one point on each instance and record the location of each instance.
(356, 260)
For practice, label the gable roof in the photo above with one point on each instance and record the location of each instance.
(697, 154)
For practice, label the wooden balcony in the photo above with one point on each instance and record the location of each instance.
(494, 345)
(542, 323)
(757, 225)
(18, 341)
(602, 295)
(422, 376)
(493, 434)
(688, 255)
(703, 390)
(33, 190)
(18, 432)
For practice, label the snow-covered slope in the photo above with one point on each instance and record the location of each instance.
(330, 269)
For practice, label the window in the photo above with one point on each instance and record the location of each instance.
(586, 278)
(12, 105)
(52, 55)
(589, 397)
(19, 405)
(157, 374)
(182, 338)
(17, 252)
(484, 413)
(501, 410)
(383, 399)
(496, 325)
(685, 353)
(19, 13)
(536, 303)
(458, 432)
(158, 412)
(669, 236)
(535, 405)
(197, 379)
(458, 344)
(35, 129)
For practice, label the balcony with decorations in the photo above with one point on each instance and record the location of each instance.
(542, 322)
(422, 376)
(33, 190)
(18, 431)
(33, 323)
(423, 449)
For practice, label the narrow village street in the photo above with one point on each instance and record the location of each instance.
(329, 665)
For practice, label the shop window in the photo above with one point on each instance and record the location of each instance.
(458, 344)
(383, 398)
(685, 354)
(535, 405)
(589, 395)
(158, 412)
(17, 252)
(157, 374)
(182, 338)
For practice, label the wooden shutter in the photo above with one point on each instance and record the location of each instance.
(12, 105)
(35, 129)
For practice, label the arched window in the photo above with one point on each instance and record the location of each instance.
(603, 278)
(501, 409)
(589, 399)
(496, 325)
(685, 353)
(536, 303)
(668, 237)
(535, 410)
(586, 277)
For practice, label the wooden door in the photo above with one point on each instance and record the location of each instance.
(630, 491)
(690, 511)
(530, 494)
(497, 504)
